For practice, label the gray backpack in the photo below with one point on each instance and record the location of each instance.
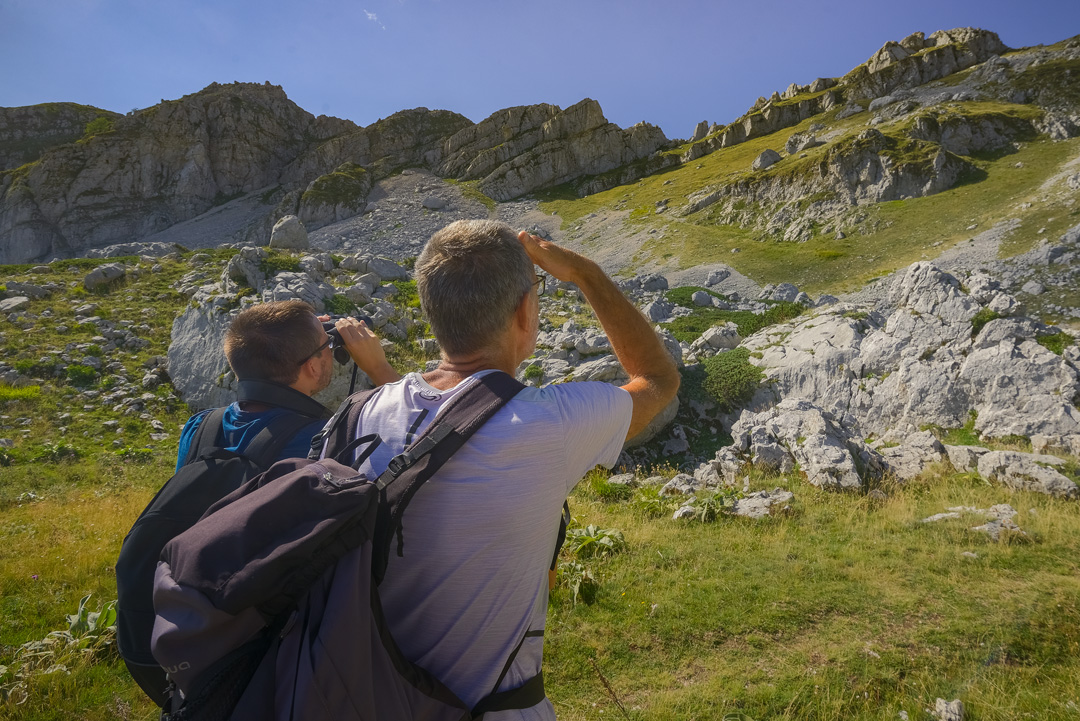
(268, 607)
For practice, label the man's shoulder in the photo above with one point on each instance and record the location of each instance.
(580, 396)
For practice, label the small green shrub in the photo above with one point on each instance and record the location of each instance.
(339, 305)
(90, 635)
(984, 316)
(594, 542)
(407, 296)
(81, 375)
(731, 379)
(56, 452)
(98, 126)
(535, 372)
(25, 393)
(278, 261)
(1056, 343)
(579, 580)
(607, 491)
(709, 506)
(688, 328)
(649, 502)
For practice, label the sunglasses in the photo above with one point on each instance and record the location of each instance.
(329, 343)
(540, 283)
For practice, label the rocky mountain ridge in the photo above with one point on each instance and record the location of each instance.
(126, 178)
(131, 177)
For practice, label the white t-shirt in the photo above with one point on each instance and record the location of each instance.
(479, 536)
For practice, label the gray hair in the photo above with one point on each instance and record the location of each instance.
(471, 276)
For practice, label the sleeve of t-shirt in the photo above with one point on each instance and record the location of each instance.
(595, 417)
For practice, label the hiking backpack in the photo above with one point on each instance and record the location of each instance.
(208, 474)
(268, 607)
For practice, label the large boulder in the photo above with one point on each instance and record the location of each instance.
(103, 275)
(289, 233)
(766, 159)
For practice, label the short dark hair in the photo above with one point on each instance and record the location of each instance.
(270, 341)
(471, 276)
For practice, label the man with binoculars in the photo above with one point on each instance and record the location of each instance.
(282, 354)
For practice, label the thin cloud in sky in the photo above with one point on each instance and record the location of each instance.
(374, 18)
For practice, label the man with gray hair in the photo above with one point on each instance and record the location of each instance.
(469, 584)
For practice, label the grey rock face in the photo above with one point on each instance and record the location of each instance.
(103, 275)
(27, 289)
(160, 166)
(289, 233)
(702, 299)
(26, 132)
(965, 458)
(658, 310)
(799, 142)
(717, 276)
(921, 366)
(911, 458)
(762, 503)
(518, 150)
(785, 292)
(1028, 472)
(825, 449)
(716, 339)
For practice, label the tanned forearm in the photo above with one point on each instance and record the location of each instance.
(654, 379)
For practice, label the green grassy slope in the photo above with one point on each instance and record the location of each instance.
(841, 608)
(881, 238)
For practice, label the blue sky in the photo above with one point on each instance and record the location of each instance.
(669, 63)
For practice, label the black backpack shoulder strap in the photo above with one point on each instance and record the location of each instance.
(206, 435)
(410, 469)
(526, 695)
(340, 430)
(264, 448)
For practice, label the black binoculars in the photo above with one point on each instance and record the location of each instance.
(341, 354)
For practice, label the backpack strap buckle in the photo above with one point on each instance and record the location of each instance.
(401, 463)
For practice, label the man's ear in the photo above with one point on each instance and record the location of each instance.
(523, 312)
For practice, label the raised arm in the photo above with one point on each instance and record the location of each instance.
(654, 380)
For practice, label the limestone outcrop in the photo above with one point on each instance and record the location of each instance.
(154, 168)
(912, 62)
(27, 132)
(867, 168)
(522, 149)
(907, 65)
(941, 356)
